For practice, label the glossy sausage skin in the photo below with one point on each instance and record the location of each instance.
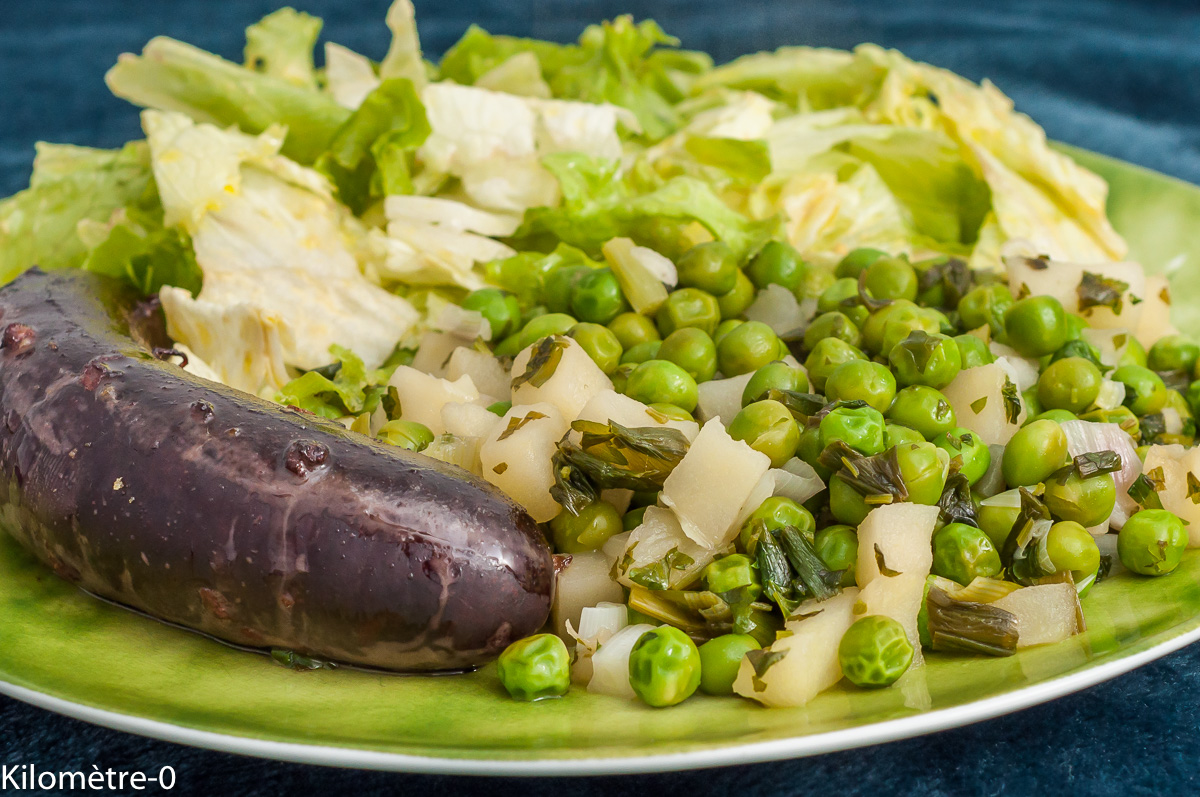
(225, 513)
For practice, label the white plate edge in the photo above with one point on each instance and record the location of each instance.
(705, 758)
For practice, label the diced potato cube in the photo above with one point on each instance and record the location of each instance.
(585, 581)
(711, 483)
(468, 420)
(903, 532)
(1156, 311)
(516, 456)
(810, 660)
(422, 396)
(1173, 464)
(1061, 280)
(898, 597)
(433, 353)
(485, 371)
(977, 396)
(1045, 613)
(658, 554)
(576, 379)
(608, 406)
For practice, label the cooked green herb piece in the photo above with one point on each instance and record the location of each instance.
(1012, 400)
(969, 627)
(1145, 489)
(773, 569)
(1095, 463)
(956, 504)
(811, 573)
(803, 406)
(657, 575)
(876, 478)
(1024, 552)
(761, 661)
(543, 362)
(952, 276)
(881, 563)
(1098, 291)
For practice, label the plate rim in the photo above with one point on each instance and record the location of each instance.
(706, 757)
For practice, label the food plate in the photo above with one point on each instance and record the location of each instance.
(70, 653)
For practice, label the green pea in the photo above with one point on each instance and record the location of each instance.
(1122, 416)
(872, 328)
(693, 351)
(923, 467)
(1070, 547)
(632, 329)
(588, 531)
(1132, 353)
(688, 307)
(657, 381)
(500, 308)
(900, 328)
(778, 263)
(542, 327)
(894, 434)
(962, 553)
(1174, 353)
(735, 571)
(826, 356)
(934, 293)
(846, 504)
(1031, 402)
(720, 659)
(633, 518)
(924, 359)
(664, 667)
(1077, 348)
(1145, 393)
(710, 266)
(642, 352)
(1069, 384)
(725, 327)
(986, 305)
(769, 428)
(1058, 416)
(644, 498)
(1075, 327)
(1192, 397)
(838, 548)
(408, 435)
(1036, 325)
(500, 408)
(559, 286)
(776, 513)
(1034, 453)
(734, 303)
(862, 380)
(891, 278)
(597, 298)
(672, 412)
(810, 449)
(1152, 542)
(620, 377)
(842, 296)
(976, 456)
(861, 428)
(858, 259)
(777, 375)
(924, 409)
(535, 668)
(974, 352)
(600, 344)
(831, 325)
(875, 652)
(747, 347)
(1088, 501)
(997, 522)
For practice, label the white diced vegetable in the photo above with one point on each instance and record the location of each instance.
(903, 533)
(585, 581)
(422, 396)
(610, 664)
(1110, 343)
(658, 555)
(516, 456)
(1155, 321)
(711, 483)
(455, 450)
(986, 401)
(617, 497)
(568, 381)
(608, 406)
(597, 625)
(639, 272)
(778, 308)
(486, 372)
(797, 480)
(434, 352)
(1084, 437)
(761, 492)
(721, 398)
(809, 663)
(1045, 613)
(468, 420)
(1171, 466)
(1061, 280)
(1023, 370)
(900, 598)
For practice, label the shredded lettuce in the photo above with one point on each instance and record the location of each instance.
(281, 45)
(346, 387)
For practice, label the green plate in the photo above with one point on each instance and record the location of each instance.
(70, 653)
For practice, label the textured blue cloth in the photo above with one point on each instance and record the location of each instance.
(1115, 76)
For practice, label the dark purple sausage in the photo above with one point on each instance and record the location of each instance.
(260, 525)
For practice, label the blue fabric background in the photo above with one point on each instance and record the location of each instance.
(1116, 76)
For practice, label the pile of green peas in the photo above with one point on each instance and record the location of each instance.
(888, 335)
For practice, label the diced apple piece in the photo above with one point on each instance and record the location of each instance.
(609, 406)
(574, 380)
(1156, 312)
(659, 555)
(980, 404)
(1045, 613)
(585, 581)
(1172, 465)
(422, 396)
(711, 483)
(809, 664)
(903, 534)
(898, 597)
(516, 456)
(486, 372)
(1061, 280)
(721, 398)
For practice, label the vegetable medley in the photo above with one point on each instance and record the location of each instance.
(811, 364)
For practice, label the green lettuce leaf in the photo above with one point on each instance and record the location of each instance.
(281, 45)
(353, 388)
(744, 161)
(525, 273)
